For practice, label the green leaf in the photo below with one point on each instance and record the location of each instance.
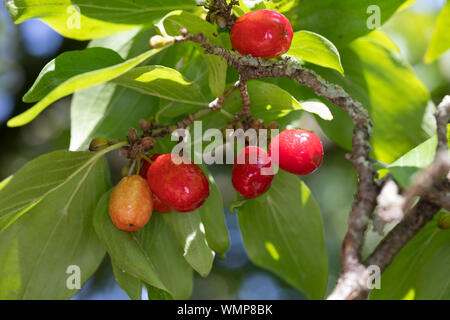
(131, 285)
(270, 103)
(314, 48)
(81, 20)
(61, 77)
(164, 83)
(44, 177)
(157, 294)
(277, 5)
(422, 267)
(5, 182)
(176, 20)
(58, 192)
(108, 110)
(213, 219)
(195, 70)
(124, 247)
(167, 255)
(190, 233)
(217, 74)
(440, 42)
(340, 21)
(283, 232)
(413, 161)
(151, 254)
(240, 9)
(387, 86)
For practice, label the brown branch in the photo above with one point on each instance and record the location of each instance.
(217, 103)
(439, 197)
(428, 186)
(415, 219)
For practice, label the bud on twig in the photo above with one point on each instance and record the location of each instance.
(147, 143)
(273, 125)
(444, 222)
(98, 144)
(258, 124)
(160, 42)
(132, 136)
(144, 125)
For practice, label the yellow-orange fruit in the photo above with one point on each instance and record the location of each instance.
(131, 205)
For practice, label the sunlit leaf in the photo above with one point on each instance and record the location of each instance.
(61, 77)
(82, 20)
(440, 42)
(314, 48)
(283, 232)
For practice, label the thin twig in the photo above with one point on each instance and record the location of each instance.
(217, 103)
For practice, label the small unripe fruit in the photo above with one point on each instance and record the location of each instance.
(247, 176)
(98, 144)
(444, 222)
(183, 186)
(131, 205)
(160, 42)
(262, 33)
(158, 205)
(299, 151)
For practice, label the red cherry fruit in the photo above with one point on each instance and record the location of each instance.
(183, 186)
(247, 176)
(144, 169)
(131, 205)
(262, 33)
(158, 204)
(146, 165)
(300, 151)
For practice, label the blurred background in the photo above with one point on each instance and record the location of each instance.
(26, 48)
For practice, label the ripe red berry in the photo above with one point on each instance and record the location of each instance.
(146, 165)
(262, 33)
(131, 205)
(299, 151)
(182, 186)
(247, 176)
(158, 205)
(144, 169)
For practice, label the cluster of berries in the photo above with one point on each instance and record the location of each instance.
(168, 183)
(296, 151)
(171, 183)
